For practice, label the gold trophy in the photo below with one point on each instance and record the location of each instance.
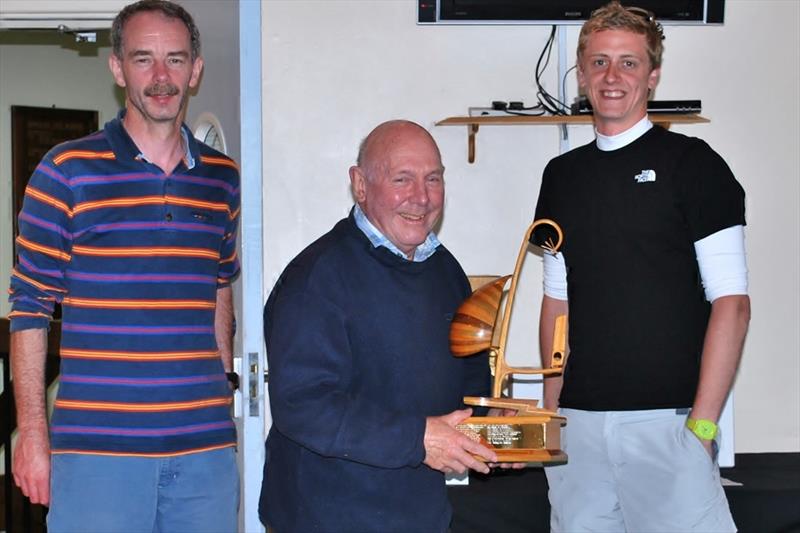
(534, 434)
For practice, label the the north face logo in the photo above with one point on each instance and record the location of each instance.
(645, 175)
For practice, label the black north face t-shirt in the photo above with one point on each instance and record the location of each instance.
(630, 218)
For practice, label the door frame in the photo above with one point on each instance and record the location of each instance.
(251, 362)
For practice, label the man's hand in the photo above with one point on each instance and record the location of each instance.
(31, 464)
(709, 446)
(449, 450)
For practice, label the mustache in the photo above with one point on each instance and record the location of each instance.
(161, 89)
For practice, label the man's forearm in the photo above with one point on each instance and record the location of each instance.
(223, 326)
(551, 308)
(28, 355)
(722, 351)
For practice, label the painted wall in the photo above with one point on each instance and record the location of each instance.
(218, 93)
(333, 69)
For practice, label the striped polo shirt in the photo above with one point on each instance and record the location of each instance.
(135, 257)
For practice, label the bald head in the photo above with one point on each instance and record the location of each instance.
(399, 182)
(373, 150)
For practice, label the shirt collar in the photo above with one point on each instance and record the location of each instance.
(423, 251)
(123, 145)
(607, 143)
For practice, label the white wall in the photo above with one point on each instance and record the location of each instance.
(333, 69)
(218, 93)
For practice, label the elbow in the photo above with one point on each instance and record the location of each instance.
(743, 311)
(736, 309)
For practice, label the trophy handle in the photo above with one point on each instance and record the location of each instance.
(474, 325)
(551, 242)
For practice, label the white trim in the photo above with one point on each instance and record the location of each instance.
(254, 420)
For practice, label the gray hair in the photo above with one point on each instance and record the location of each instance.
(166, 8)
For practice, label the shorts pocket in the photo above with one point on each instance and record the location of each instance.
(694, 448)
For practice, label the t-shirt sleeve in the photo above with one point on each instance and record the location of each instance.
(711, 197)
(544, 208)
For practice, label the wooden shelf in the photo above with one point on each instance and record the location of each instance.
(473, 123)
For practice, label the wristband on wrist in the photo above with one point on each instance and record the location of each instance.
(704, 429)
(233, 379)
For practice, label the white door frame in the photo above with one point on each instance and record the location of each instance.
(251, 362)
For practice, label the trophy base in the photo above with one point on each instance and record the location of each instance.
(519, 439)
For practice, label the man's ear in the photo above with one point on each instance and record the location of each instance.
(580, 77)
(358, 182)
(654, 78)
(197, 69)
(115, 66)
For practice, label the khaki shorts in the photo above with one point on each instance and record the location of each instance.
(635, 471)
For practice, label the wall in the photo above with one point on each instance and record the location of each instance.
(333, 69)
(218, 93)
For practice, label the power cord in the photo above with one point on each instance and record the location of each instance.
(547, 101)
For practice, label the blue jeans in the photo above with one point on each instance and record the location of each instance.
(189, 493)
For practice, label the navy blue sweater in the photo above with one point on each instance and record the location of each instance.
(357, 342)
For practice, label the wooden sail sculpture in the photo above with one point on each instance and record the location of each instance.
(533, 435)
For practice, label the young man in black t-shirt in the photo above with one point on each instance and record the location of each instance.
(653, 276)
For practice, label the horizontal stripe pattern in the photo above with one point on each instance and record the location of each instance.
(107, 355)
(141, 278)
(138, 330)
(82, 154)
(131, 251)
(156, 455)
(140, 407)
(141, 432)
(139, 226)
(140, 382)
(137, 304)
(135, 256)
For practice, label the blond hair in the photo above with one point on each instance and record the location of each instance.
(615, 16)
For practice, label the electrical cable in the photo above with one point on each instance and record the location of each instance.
(547, 101)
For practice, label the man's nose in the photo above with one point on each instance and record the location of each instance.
(160, 70)
(420, 193)
(611, 72)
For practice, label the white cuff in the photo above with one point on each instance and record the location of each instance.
(555, 276)
(723, 263)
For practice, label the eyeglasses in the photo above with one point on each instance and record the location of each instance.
(649, 16)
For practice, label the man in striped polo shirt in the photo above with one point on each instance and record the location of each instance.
(133, 231)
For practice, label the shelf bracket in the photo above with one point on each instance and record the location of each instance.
(472, 131)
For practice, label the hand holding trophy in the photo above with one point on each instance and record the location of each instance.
(534, 434)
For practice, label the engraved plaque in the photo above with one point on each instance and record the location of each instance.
(519, 439)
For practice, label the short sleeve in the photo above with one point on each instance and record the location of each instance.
(710, 196)
(229, 259)
(544, 202)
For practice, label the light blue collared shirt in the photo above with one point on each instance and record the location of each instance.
(423, 251)
(188, 158)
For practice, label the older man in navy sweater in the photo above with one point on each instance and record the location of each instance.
(364, 391)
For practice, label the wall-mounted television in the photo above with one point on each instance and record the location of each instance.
(689, 12)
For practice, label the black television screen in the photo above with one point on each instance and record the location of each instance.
(560, 11)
